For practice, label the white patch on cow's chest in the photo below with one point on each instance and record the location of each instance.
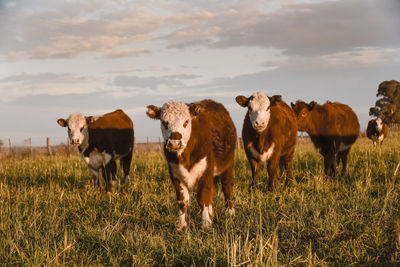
(97, 159)
(189, 178)
(381, 136)
(264, 156)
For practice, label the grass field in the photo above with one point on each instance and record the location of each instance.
(50, 215)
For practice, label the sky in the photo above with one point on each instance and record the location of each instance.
(62, 57)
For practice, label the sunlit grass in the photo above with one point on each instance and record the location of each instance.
(50, 214)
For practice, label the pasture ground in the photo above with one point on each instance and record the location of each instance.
(50, 215)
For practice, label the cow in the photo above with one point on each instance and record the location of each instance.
(101, 140)
(377, 131)
(269, 135)
(333, 129)
(199, 146)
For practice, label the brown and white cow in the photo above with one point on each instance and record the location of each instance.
(377, 131)
(199, 145)
(269, 135)
(333, 129)
(101, 140)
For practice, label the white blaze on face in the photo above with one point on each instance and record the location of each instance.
(259, 112)
(175, 118)
(379, 124)
(77, 129)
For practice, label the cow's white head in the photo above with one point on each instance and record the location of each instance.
(379, 124)
(258, 107)
(176, 123)
(77, 128)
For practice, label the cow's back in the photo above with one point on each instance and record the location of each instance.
(114, 120)
(283, 124)
(335, 119)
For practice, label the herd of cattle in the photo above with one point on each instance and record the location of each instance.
(200, 141)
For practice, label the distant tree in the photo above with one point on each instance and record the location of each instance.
(388, 106)
(1, 143)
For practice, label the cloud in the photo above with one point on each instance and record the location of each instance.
(51, 29)
(307, 29)
(126, 53)
(23, 85)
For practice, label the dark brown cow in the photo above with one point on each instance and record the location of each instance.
(377, 131)
(333, 129)
(200, 140)
(269, 135)
(101, 140)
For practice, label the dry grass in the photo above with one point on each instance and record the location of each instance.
(50, 215)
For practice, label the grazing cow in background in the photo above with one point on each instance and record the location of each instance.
(269, 135)
(199, 145)
(377, 131)
(333, 129)
(101, 140)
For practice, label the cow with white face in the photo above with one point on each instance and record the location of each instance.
(101, 140)
(377, 131)
(199, 145)
(269, 135)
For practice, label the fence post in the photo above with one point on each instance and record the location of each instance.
(9, 147)
(68, 151)
(30, 146)
(49, 152)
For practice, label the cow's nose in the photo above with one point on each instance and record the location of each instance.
(259, 123)
(75, 141)
(174, 144)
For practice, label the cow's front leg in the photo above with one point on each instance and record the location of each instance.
(182, 195)
(95, 176)
(205, 194)
(255, 168)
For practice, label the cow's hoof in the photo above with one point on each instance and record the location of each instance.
(231, 211)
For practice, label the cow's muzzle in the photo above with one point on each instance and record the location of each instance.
(174, 143)
(75, 141)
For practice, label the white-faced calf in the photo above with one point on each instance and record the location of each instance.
(199, 145)
(269, 135)
(377, 131)
(101, 140)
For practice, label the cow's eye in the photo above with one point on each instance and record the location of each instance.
(186, 123)
(82, 129)
(165, 124)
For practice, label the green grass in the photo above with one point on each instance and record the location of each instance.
(50, 215)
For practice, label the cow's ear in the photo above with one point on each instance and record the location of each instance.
(62, 122)
(153, 112)
(312, 105)
(89, 119)
(242, 100)
(275, 99)
(195, 109)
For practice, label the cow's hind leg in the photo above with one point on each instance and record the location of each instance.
(227, 188)
(126, 165)
(288, 167)
(343, 156)
(329, 164)
(113, 172)
(107, 176)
